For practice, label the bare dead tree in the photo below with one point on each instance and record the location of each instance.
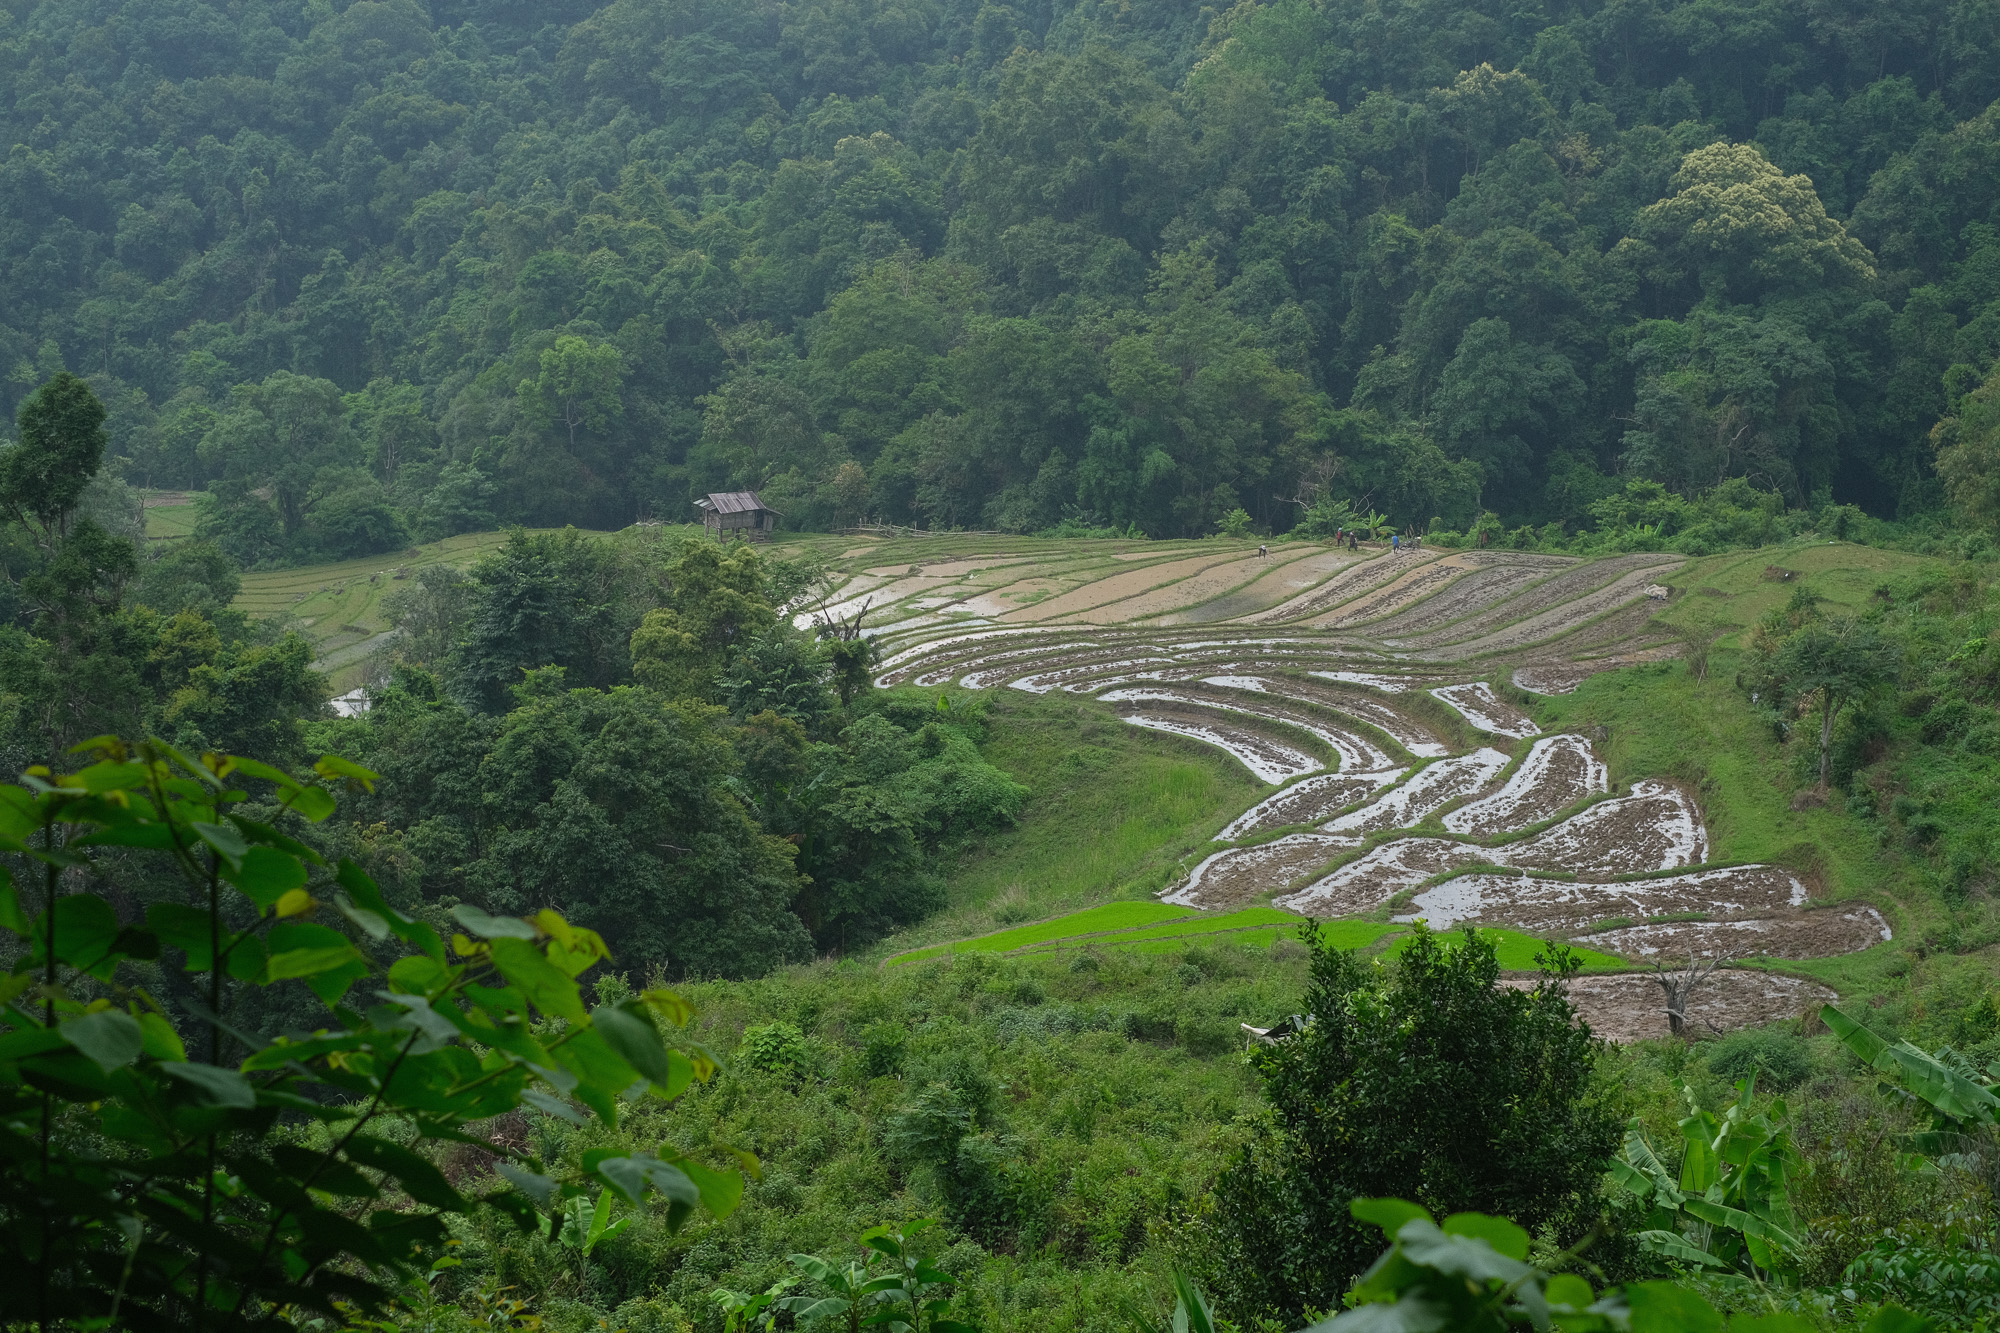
(1680, 986)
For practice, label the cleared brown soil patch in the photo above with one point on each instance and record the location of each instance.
(1308, 802)
(1418, 582)
(1241, 873)
(1553, 623)
(1288, 580)
(1630, 1006)
(1375, 569)
(1478, 705)
(1484, 587)
(1818, 934)
(1555, 592)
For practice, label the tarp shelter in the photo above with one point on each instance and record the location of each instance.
(737, 513)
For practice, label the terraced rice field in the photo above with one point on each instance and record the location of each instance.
(1381, 697)
(339, 606)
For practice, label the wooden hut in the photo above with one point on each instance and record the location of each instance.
(727, 514)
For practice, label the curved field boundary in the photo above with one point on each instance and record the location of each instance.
(1559, 589)
(1558, 772)
(1429, 791)
(1404, 730)
(1418, 581)
(1655, 828)
(1489, 582)
(1478, 705)
(1823, 933)
(1374, 878)
(1529, 903)
(1309, 801)
(1552, 624)
(1247, 872)
(1268, 759)
(1355, 752)
(1371, 571)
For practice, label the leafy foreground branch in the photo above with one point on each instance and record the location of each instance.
(155, 1179)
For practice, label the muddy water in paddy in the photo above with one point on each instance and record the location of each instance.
(1370, 880)
(1655, 828)
(1405, 730)
(1558, 772)
(1817, 934)
(1268, 758)
(1357, 754)
(1308, 802)
(1429, 791)
(1477, 704)
(1564, 906)
(1242, 873)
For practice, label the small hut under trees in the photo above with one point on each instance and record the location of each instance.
(737, 513)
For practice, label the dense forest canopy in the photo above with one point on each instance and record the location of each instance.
(372, 270)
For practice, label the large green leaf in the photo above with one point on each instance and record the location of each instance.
(110, 1037)
(547, 986)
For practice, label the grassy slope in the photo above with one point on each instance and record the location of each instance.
(1662, 723)
(1111, 810)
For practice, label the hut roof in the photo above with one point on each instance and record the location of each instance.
(734, 502)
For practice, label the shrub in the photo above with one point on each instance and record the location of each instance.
(1778, 1058)
(1425, 1081)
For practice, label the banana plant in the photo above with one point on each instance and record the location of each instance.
(584, 1227)
(1944, 1087)
(857, 1294)
(743, 1311)
(1729, 1205)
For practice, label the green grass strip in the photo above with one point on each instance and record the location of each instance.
(1338, 934)
(1516, 951)
(1090, 921)
(1189, 925)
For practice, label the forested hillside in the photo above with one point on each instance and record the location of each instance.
(374, 270)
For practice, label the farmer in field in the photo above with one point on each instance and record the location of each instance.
(1395, 543)
(1263, 551)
